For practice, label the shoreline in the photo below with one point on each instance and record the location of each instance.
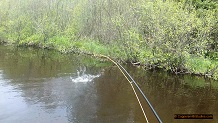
(150, 67)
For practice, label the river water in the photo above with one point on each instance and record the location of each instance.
(41, 86)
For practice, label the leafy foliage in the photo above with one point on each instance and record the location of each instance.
(178, 35)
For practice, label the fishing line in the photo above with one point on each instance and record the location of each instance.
(131, 83)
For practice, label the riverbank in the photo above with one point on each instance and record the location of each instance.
(176, 36)
(193, 64)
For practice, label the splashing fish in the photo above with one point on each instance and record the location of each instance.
(82, 77)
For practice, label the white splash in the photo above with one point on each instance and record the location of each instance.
(82, 77)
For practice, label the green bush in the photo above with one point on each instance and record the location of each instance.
(171, 34)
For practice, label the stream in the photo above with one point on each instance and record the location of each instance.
(45, 86)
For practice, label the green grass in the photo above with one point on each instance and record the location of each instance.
(198, 64)
(203, 66)
(194, 64)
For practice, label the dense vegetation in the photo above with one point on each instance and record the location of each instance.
(178, 35)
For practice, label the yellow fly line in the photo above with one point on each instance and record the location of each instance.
(130, 82)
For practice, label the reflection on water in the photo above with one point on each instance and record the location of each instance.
(172, 94)
(46, 86)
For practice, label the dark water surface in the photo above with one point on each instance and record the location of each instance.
(40, 86)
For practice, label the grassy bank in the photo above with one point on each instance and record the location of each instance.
(196, 65)
(179, 36)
